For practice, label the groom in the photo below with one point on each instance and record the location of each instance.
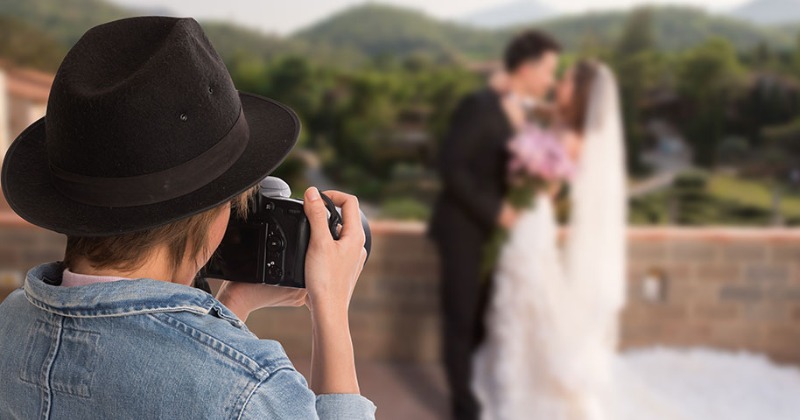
(472, 165)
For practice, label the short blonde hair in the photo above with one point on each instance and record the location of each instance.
(127, 251)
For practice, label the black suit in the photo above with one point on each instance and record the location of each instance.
(472, 165)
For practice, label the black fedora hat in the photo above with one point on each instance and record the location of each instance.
(143, 127)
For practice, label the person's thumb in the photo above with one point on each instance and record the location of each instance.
(317, 215)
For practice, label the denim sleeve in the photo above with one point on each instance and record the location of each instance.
(285, 395)
(344, 406)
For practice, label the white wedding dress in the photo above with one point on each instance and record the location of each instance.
(550, 351)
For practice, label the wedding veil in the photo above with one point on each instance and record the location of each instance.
(596, 242)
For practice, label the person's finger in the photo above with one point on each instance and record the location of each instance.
(351, 216)
(317, 215)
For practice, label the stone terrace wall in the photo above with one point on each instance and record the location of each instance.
(726, 288)
(719, 287)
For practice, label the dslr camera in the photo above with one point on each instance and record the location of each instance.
(269, 245)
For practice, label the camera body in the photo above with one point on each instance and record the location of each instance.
(270, 245)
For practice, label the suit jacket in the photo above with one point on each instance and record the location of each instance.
(473, 166)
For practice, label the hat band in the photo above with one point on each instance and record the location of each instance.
(158, 186)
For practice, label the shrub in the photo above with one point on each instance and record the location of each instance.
(404, 209)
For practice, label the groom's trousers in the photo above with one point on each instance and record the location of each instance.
(463, 300)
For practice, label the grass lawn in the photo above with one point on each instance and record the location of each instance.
(752, 192)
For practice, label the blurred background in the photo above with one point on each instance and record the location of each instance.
(711, 103)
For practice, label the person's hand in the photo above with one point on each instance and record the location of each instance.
(332, 266)
(514, 112)
(546, 111)
(507, 217)
(332, 270)
(243, 298)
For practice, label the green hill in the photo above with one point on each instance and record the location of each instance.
(674, 28)
(64, 21)
(373, 30)
(29, 46)
(231, 40)
(378, 30)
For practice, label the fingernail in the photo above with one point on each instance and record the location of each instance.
(312, 194)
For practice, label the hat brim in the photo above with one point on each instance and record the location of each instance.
(274, 129)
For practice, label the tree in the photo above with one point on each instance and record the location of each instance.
(295, 81)
(638, 35)
(709, 77)
(763, 57)
(636, 60)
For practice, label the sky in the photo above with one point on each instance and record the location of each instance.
(284, 17)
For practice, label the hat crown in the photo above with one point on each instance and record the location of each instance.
(138, 96)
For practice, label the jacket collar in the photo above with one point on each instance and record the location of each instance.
(119, 298)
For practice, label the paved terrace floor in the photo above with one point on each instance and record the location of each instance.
(401, 391)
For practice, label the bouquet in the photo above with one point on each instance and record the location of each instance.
(537, 160)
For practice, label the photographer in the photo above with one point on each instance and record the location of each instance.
(145, 151)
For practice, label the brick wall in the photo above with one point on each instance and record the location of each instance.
(720, 287)
(733, 289)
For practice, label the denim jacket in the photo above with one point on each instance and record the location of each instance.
(145, 349)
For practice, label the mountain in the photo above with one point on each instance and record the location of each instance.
(769, 12)
(510, 14)
(28, 46)
(64, 28)
(349, 37)
(379, 30)
(64, 20)
(231, 40)
(674, 28)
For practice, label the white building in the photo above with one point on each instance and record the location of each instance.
(23, 100)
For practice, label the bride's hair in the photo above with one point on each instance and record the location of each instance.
(583, 74)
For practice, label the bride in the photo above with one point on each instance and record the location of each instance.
(551, 327)
(550, 351)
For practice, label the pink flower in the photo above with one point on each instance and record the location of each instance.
(538, 153)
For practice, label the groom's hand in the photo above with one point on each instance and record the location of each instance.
(507, 217)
